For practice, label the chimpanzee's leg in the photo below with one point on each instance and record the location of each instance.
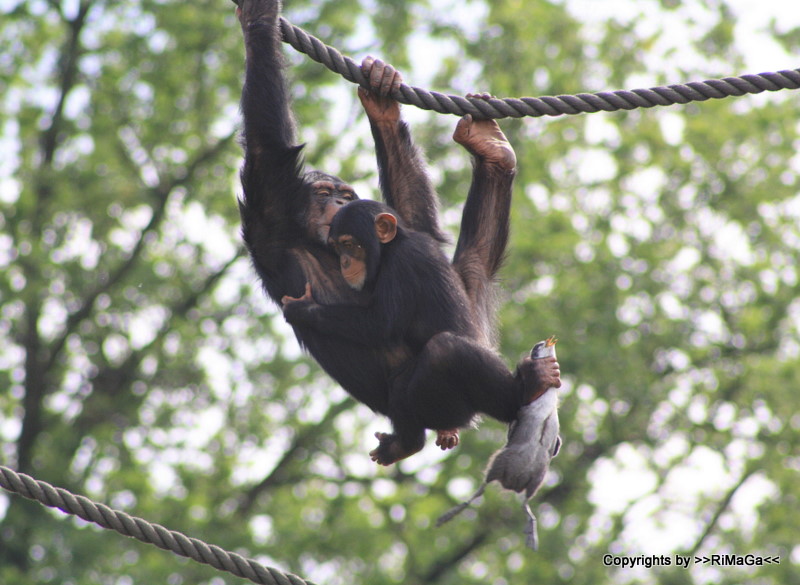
(452, 380)
(484, 232)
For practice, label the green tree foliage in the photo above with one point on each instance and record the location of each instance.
(141, 365)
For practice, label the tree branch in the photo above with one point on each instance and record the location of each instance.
(279, 473)
(162, 195)
(36, 362)
(723, 505)
(113, 378)
(447, 564)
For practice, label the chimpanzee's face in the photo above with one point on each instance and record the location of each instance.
(329, 195)
(352, 260)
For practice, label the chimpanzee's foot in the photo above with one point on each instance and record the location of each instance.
(447, 439)
(484, 139)
(390, 449)
(537, 376)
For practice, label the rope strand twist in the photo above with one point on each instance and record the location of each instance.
(582, 103)
(235, 564)
(143, 530)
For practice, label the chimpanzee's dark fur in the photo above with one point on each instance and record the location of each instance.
(417, 300)
(279, 207)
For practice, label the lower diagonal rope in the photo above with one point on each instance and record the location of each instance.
(143, 530)
(583, 103)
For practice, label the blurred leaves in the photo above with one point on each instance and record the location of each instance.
(141, 365)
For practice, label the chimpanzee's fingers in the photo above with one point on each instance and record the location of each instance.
(388, 80)
(391, 80)
(366, 65)
(376, 75)
(482, 96)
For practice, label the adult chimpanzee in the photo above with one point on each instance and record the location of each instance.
(416, 299)
(286, 213)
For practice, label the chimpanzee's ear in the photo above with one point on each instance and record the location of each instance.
(385, 227)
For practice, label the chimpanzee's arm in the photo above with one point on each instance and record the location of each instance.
(274, 193)
(362, 325)
(403, 175)
(389, 314)
(404, 180)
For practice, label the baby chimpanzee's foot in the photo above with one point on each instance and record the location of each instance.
(447, 439)
(390, 449)
(537, 376)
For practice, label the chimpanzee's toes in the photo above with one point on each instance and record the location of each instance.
(537, 376)
(448, 439)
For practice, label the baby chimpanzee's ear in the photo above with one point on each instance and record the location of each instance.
(385, 227)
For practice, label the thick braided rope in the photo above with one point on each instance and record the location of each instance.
(583, 103)
(126, 525)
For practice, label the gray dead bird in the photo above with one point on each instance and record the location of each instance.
(522, 464)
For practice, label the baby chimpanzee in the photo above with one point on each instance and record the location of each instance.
(416, 300)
